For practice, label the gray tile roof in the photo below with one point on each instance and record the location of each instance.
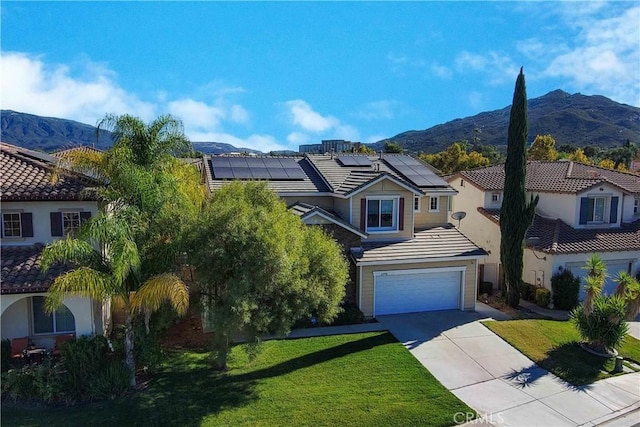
(432, 243)
(312, 182)
(304, 210)
(27, 176)
(553, 177)
(21, 270)
(557, 237)
(347, 179)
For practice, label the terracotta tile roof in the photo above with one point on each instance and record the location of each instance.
(21, 270)
(26, 175)
(553, 177)
(432, 243)
(557, 237)
(82, 149)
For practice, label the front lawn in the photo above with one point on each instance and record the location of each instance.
(358, 379)
(554, 346)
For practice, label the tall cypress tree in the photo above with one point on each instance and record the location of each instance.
(516, 214)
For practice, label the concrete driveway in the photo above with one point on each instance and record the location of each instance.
(501, 384)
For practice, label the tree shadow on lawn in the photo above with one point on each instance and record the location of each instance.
(186, 395)
(572, 363)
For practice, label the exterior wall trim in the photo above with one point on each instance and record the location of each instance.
(420, 260)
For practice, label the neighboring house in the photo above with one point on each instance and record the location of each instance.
(390, 215)
(583, 209)
(36, 211)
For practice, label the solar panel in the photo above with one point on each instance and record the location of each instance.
(354, 160)
(415, 171)
(256, 168)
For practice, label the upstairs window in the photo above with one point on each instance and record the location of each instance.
(416, 204)
(636, 206)
(65, 223)
(598, 210)
(17, 224)
(495, 198)
(70, 222)
(382, 214)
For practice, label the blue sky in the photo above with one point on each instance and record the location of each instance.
(273, 75)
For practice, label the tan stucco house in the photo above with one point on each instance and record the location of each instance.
(36, 211)
(583, 209)
(389, 212)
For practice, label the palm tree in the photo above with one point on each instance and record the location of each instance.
(113, 272)
(594, 282)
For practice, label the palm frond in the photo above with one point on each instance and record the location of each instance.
(83, 281)
(71, 250)
(159, 289)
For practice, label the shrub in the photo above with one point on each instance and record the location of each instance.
(486, 288)
(605, 328)
(528, 292)
(350, 315)
(566, 289)
(110, 382)
(5, 354)
(35, 382)
(543, 297)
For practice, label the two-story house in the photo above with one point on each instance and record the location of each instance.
(36, 211)
(390, 213)
(582, 210)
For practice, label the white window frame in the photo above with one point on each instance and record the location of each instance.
(74, 228)
(497, 198)
(417, 203)
(395, 214)
(595, 207)
(636, 206)
(431, 200)
(53, 319)
(4, 225)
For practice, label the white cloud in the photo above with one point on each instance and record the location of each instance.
(84, 93)
(298, 138)
(441, 71)
(264, 143)
(475, 99)
(196, 114)
(304, 116)
(238, 114)
(605, 55)
(498, 67)
(377, 110)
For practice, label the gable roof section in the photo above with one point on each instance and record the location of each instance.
(27, 176)
(432, 244)
(312, 183)
(557, 237)
(21, 271)
(553, 177)
(306, 211)
(346, 180)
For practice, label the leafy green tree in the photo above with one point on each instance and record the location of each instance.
(543, 148)
(363, 149)
(516, 214)
(455, 158)
(114, 272)
(259, 268)
(567, 148)
(490, 152)
(392, 147)
(579, 156)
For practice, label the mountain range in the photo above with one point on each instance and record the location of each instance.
(571, 119)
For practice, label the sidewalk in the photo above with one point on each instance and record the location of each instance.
(545, 312)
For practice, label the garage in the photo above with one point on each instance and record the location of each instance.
(408, 291)
(613, 268)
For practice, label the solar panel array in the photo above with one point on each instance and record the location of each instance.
(354, 161)
(415, 171)
(271, 168)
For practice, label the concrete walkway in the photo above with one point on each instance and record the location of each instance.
(500, 383)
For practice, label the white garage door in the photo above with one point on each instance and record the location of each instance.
(409, 291)
(613, 268)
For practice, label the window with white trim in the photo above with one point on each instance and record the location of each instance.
(597, 212)
(636, 206)
(70, 222)
(416, 204)
(382, 214)
(434, 205)
(11, 225)
(61, 320)
(495, 197)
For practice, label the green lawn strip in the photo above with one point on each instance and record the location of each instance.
(554, 346)
(357, 379)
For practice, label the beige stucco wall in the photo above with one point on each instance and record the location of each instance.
(341, 208)
(386, 188)
(424, 218)
(365, 280)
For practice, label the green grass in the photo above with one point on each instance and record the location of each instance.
(555, 347)
(358, 379)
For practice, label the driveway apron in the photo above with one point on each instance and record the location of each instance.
(500, 383)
